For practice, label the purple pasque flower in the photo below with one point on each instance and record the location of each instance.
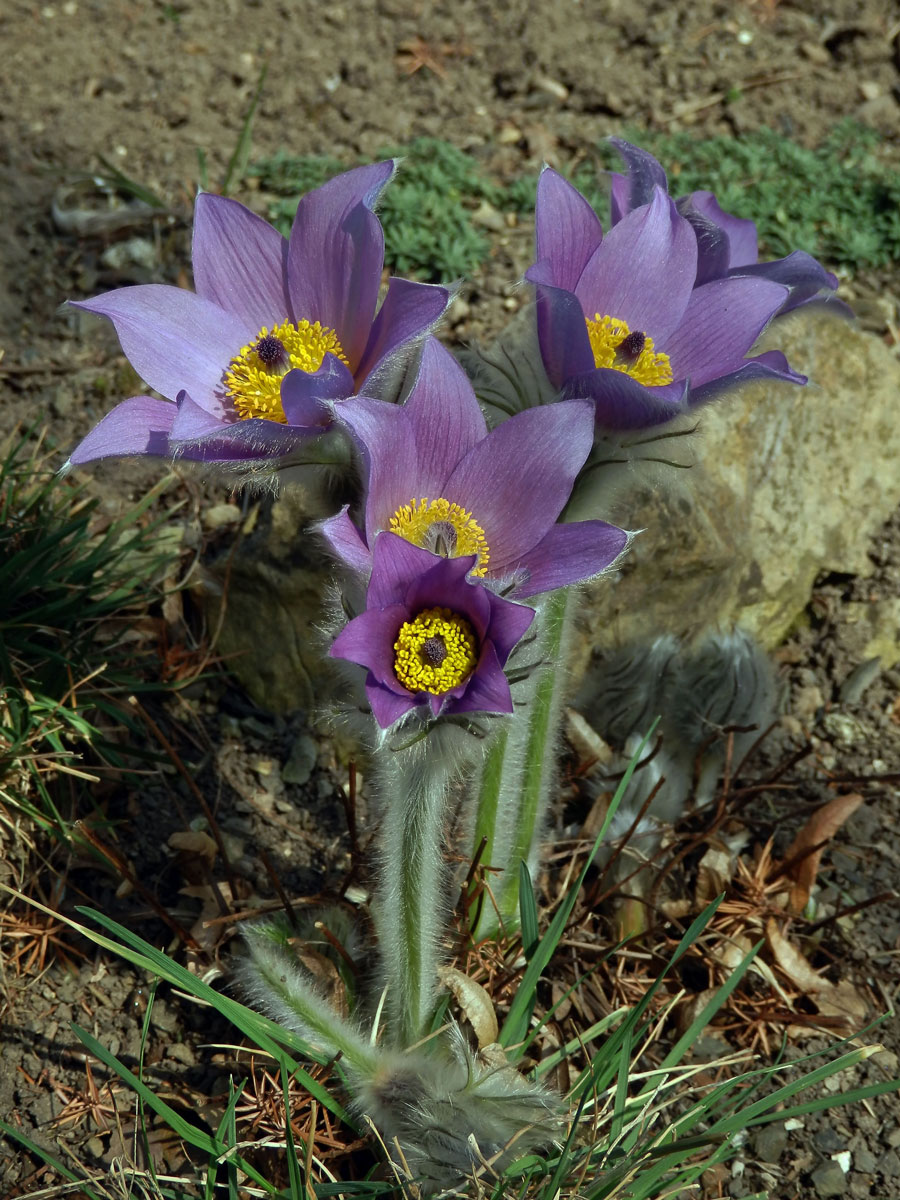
(621, 321)
(726, 244)
(429, 637)
(438, 479)
(276, 329)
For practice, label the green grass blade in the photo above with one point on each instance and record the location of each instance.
(528, 912)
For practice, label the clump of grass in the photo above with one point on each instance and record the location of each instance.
(70, 590)
(839, 202)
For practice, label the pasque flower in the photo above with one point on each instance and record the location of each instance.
(438, 479)
(276, 329)
(622, 319)
(726, 244)
(429, 637)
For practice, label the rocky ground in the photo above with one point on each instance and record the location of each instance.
(144, 87)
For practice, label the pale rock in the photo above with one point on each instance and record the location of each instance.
(788, 482)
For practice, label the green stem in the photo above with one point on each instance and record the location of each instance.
(415, 784)
(518, 772)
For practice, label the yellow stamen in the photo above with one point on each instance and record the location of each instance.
(608, 333)
(254, 387)
(444, 528)
(415, 663)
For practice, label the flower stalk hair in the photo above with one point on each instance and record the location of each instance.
(251, 364)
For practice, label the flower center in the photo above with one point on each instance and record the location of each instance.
(615, 346)
(443, 528)
(253, 377)
(435, 651)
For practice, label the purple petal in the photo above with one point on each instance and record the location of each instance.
(408, 312)
(800, 272)
(174, 340)
(239, 262)
(369, 641)
(644, 270)
(741, 233)
(517, 480)
(488, 687)
(192, 421)
(385, 435)
(445, 585)
(388, 706)
(568, 554)
(198, 436)
(346, 541)
(644, 175)
(619, 195)
(721, 322)
(305, 395)
(396, 565)
(562, 333)
(336, 253)
(446, 417)
(772, 366)
(623, 403)
(509, 624)
(137, 426)
(567, 230)
(713, 249)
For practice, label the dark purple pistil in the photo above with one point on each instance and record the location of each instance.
(271, 351)
(433, 651)
(630, 348)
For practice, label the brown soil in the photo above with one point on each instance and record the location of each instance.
(148, 85)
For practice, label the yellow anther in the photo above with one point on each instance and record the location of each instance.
(608, 333)
(444, 528)
(253, 379)
(435, 651)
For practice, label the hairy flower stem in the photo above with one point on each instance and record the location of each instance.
(415, 784)
(514, 782)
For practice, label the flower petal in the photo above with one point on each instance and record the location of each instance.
(239, 262)
(800, 272)
(509, 624)
(174, 340)
(645, 174)
(445, 585)
(305, 395)
(446, 418)
(741, 232)
(623, 403)
(139, 425)
(644, 269)
(385, 436)
(569, 554)
(346, 541)
(713, 249)
(396, 565)
(488, 687)
(202, 438)
(408, 312)
(516, 481)
(721, 322)
(772, 365)
(369, 641)
(387, 706)
(336, 253)
(562, 333)
(567, 230)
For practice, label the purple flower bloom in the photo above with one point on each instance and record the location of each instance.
(621, 321)
(436, 477)
(429, 637)
(275, 330)
(726, 245)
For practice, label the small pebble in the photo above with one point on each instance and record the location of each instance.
(829, 1180)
